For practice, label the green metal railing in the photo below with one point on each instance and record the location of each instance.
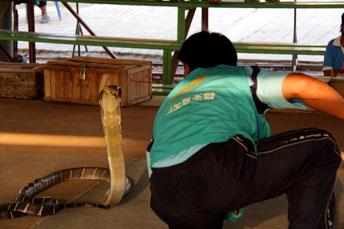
(169, 46)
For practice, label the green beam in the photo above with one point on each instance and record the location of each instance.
(280, 49)
(168, 46)
(161, 89)
(274, 44)
(89, 40)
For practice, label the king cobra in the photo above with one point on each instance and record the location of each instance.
(26, 202)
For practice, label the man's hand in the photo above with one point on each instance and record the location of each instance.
(329, 72)
(333, 73)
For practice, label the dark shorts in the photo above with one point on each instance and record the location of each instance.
(226, 176)
(40, 3)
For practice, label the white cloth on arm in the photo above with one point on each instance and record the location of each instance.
(269, 91)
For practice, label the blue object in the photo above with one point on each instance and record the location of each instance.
(58, 9)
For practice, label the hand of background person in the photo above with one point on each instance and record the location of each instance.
(330, 72)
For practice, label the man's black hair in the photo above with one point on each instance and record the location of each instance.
(204, 49)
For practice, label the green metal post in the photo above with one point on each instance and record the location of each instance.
(175, 61)
(181, 25)
(167, 60)
(167, 77)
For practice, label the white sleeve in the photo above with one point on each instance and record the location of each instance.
(269, 91)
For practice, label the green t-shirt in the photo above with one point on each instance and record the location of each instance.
(212, 105)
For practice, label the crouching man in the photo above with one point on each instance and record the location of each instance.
(212, 152)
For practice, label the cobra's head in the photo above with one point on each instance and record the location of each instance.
(112, 90)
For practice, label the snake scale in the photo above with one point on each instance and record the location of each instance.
(26, 202)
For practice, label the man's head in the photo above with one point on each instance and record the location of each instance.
(206, 49)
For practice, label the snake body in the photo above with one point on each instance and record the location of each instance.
(26, 202)
(111, 119)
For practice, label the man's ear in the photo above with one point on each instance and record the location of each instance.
(186, 69)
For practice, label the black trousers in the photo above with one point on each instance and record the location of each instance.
(226, 176)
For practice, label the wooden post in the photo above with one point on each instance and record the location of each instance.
(294, 58)
(15, 28)
(205, 19)
(31, 28)
(6, 53)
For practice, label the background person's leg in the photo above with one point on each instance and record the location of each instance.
(303, 164)
(44, 14)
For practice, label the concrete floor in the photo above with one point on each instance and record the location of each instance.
(38, 137)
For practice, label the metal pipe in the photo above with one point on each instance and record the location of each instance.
(70, 9)
(78, 31)
(294, 59)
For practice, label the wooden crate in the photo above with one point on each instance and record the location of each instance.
(23, 81)
(80, 79)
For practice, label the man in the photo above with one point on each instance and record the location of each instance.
(212, 152)
(334, 55)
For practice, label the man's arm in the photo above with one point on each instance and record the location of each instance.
(314, 93)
